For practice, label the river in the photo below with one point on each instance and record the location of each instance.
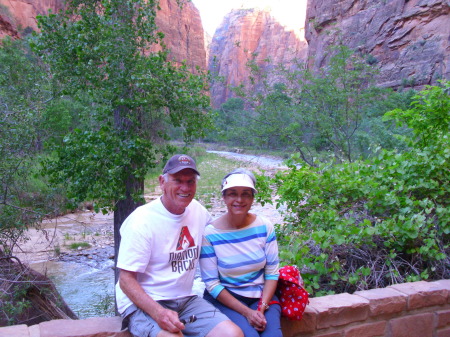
(85, 276)
(264, 162)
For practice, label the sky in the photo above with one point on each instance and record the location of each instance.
(290, 13)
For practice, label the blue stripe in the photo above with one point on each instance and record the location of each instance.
(204, 256)
(236, 281)
(271, 238)
(207, 249)
(223, 264)
(273, 263)
(209, 279)
(246, 289)
(216, 290)
(271, 277)
(242, 236)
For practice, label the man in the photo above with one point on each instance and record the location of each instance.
(157, 259)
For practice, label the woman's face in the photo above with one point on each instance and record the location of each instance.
(238, 200)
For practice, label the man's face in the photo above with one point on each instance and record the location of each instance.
(179, 190)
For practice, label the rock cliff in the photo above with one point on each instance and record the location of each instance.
(21, 14)
(250, 35)
(183, 31)
(182, 27)
(407, 40)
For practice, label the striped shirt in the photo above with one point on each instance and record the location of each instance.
(239, 260)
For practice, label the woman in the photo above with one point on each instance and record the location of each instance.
(239, 261)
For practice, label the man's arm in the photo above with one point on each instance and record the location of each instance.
(167, 319)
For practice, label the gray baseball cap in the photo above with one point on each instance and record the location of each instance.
(180, 162)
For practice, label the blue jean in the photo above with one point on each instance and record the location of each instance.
(273, 314)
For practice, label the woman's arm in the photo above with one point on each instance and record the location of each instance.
(271, 272)
(270, 286)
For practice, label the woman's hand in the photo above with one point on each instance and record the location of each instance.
(256, 319)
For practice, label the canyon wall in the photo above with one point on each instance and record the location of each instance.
(182, 27)
(21, 14)
(407, 40)
(183, 30)
(250, 35)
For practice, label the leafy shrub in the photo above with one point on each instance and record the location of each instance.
(372, 223)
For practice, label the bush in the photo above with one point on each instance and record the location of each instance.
(369, 224)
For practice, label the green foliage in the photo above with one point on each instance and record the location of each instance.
(76, 245)
(231, 123)
(94, 167)
(372, 223)
(330, 116)
(99, 52)
(429, 116)
(15, 305)
(24, 89)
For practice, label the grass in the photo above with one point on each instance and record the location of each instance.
(77, 245)
(212, 168)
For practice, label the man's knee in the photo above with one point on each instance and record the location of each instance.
(226, 329)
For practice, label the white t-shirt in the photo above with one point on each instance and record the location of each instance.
(163, 248)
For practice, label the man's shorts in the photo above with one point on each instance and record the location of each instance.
(140, 324)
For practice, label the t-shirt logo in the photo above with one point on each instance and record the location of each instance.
(185, 240)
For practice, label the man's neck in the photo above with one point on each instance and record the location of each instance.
(173, 210)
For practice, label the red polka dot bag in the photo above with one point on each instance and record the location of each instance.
(293, 297)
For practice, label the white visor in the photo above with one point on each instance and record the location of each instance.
(239, 180)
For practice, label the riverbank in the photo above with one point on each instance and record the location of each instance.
(76, 251)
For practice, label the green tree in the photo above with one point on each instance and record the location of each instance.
(102, 49)
(322, 116)
(24, 89)
(336, 101)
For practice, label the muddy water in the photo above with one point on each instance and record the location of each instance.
(89, 291)
(85, 276)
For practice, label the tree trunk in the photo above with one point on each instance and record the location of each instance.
(124, 208)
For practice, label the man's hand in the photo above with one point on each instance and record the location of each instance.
(168, 320)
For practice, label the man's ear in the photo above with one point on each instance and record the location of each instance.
(161, 182)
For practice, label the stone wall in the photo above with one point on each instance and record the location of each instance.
(418, 309)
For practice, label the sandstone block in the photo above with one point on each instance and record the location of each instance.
(443, 333)
(91, 327)
(329, 334)
(443, 318)
(307, 324)
(367, 330)
(34, 331)
(423, 294)
(14, 331)
(445, 284)
(384, 301)
(341, 309)
(420, 325)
